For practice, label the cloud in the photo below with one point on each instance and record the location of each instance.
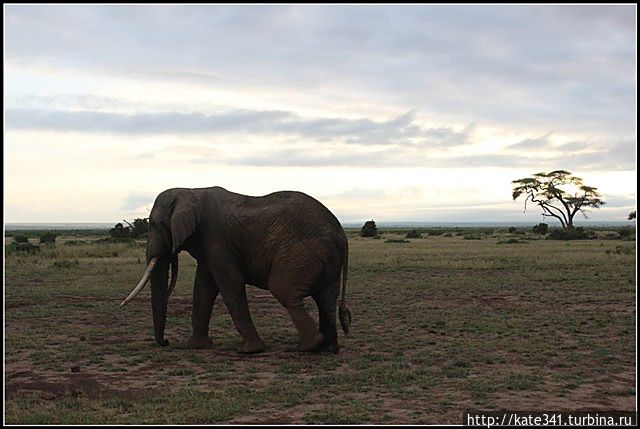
(365, 131)
(533, 143)
(135, 201)
(566, 67)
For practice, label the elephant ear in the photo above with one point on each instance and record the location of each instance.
(184, 218)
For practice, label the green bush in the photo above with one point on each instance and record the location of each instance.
(512, 229)
(541, 228)
(624, 232)
(369, 229)
(624, 250)
(436, 232)
(128, 240)
(65, 263)
(472, 237)
(48, 237)
(24, 248)
(396, 240)
(414, 233)
(119, 231)
(512, 241)
(139, 228)
(21, 239)
(578, 233)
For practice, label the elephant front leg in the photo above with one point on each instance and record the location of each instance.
(235, 298)
(205, 292)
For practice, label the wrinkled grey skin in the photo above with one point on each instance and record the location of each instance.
(286, 242)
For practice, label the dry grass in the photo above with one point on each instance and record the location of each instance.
(440, 324)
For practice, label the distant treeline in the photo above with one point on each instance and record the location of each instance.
(34, 233)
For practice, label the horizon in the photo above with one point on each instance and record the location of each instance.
(9, 226)
(417, 112)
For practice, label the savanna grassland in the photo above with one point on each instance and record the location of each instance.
(481, 319)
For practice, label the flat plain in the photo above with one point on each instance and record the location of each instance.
(468, 320)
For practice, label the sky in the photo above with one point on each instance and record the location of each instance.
(393, 113)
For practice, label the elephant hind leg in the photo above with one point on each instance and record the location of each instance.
(326, 300)
(310, 338)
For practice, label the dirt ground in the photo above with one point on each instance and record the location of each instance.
(441, 325)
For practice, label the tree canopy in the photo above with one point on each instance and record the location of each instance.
(546, 190)
(137, 229)
(369, 229)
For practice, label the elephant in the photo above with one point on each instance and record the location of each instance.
(286, 242)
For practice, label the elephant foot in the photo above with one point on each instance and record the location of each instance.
(251, 347)
(331, 347)
(162, 342)
(311, 345)
(199, 342)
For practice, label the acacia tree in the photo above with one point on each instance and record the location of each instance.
(544, 190)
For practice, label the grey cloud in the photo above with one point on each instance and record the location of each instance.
(533, 143)
(142, 123)
(602, 160)
(384, 158)
(618, 154)
(565, 67)
(399, 130)
(620, 201)
(615, 154)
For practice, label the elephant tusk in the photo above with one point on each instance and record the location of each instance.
(174, 274)
(143, 281)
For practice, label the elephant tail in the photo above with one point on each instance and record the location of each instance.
(343, 312)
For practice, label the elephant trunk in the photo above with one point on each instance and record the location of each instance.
(174, 273)
(159, 296)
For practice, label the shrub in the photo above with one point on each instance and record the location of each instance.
(624, 232)
(119, 231)
(48, 237)
(21, 239)
(571, 234)
(65, 263)
(512, 229)
(472, 237)
(436, 232)
(541, 228)
(623, 250)
(369, 229)
(512, 241)
(414, 233)
(24, 247)
(127, 240)
(139, 228)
